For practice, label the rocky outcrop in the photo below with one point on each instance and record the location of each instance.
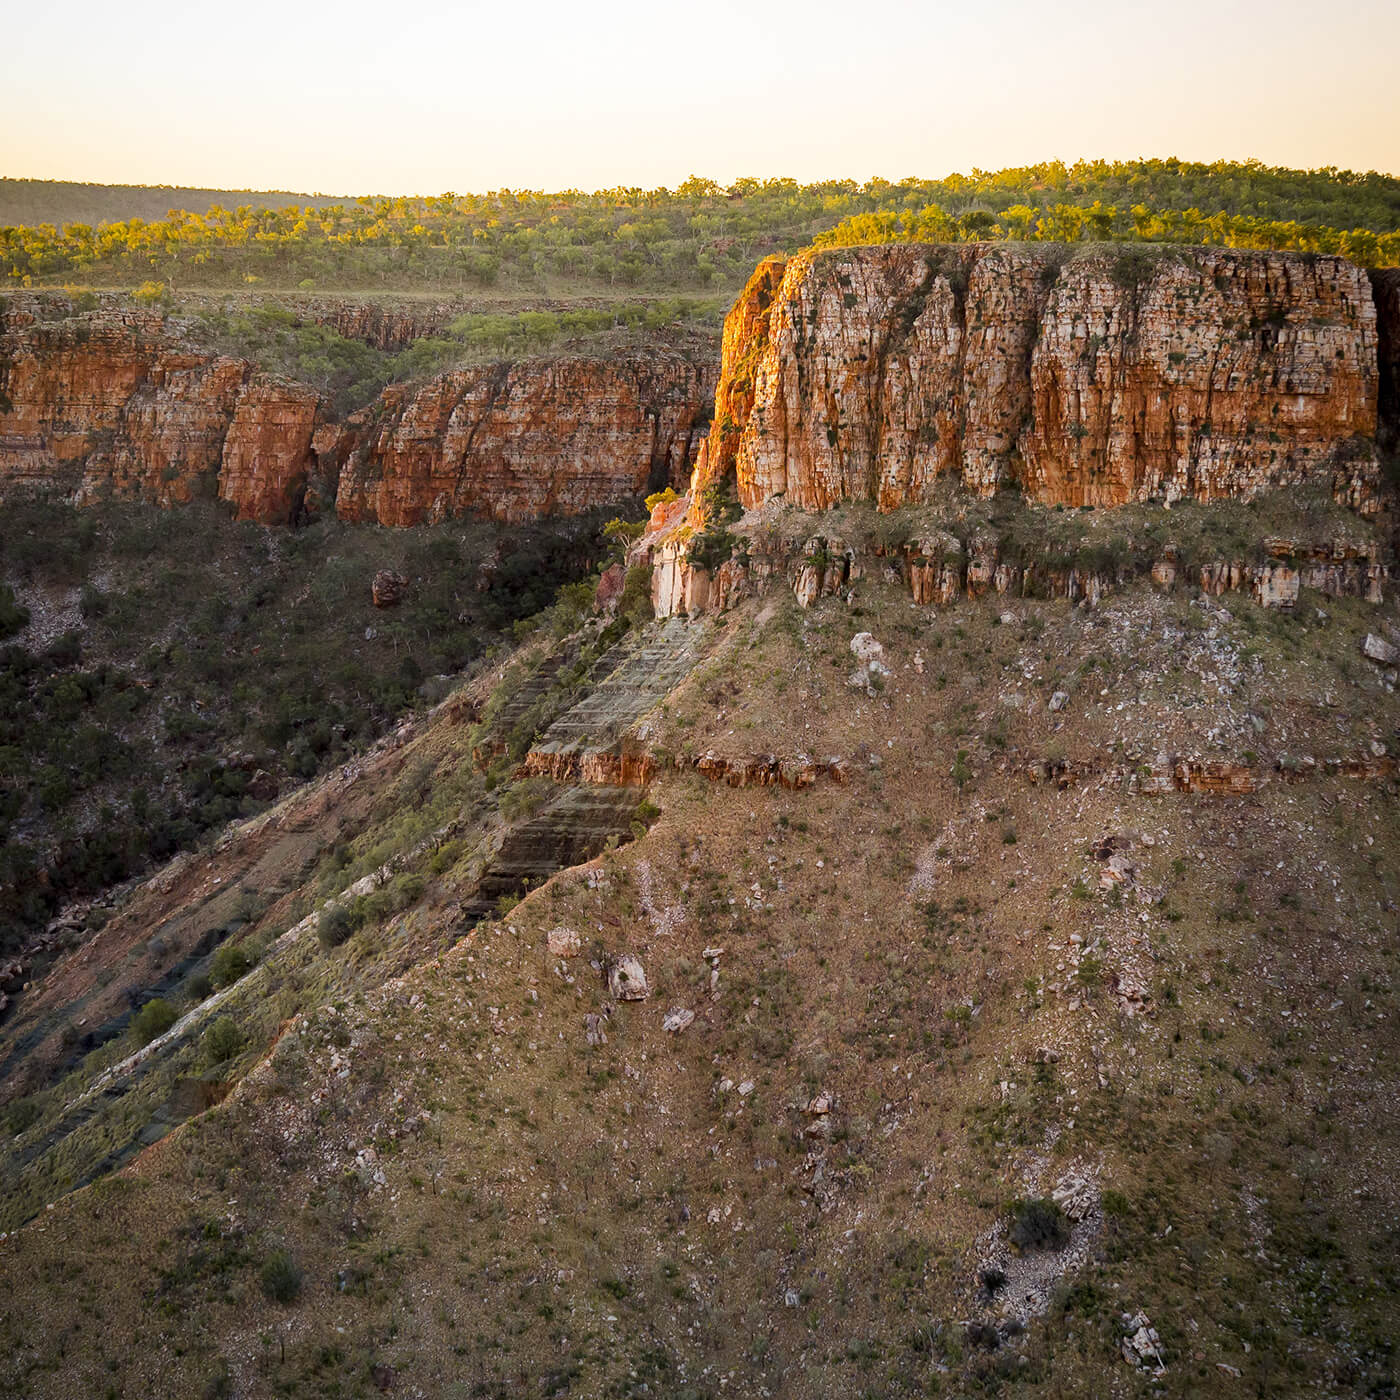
(111, 405)
(1100, 378)
(116, 403)
(513, 442)
(940, 567)
(1212, 777)
(385, 327)
(767, 770)
(387, 588)
(629, 765)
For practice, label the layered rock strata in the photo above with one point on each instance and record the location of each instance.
(631, 764)
(116, 404)
(102, 406)
(1096, 378)
(386, 327)
(1213, 777)
(514, 442)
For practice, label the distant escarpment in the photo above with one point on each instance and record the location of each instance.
(1094, 378)
(117, 403)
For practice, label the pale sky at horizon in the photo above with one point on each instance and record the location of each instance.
(365, 98)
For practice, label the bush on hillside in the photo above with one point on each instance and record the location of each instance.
(153, 1019)
(230, 963)
(222, 1041)
(335, 925)
(281, 1277)
(1038, 1224)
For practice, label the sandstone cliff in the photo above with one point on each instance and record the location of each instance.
(116, 403)
(1098, 378)
(104, 405)
(513, 442)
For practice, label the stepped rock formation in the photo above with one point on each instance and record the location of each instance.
(1104, 377)
(116, 403)
(940, 567)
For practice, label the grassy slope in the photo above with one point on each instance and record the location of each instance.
(535, 1216)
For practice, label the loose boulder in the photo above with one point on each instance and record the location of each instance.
(627, 980)
(388, 587)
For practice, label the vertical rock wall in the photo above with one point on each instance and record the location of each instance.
(1085, 377)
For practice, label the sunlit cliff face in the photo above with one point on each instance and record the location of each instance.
(869, 373)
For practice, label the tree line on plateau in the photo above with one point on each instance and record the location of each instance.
(703, 235)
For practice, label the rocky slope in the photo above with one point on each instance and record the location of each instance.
(1097, 378)
(1100, 910)
(118, 403)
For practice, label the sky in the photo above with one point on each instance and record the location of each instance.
(353, 98)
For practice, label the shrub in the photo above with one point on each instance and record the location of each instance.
(525, 797)
(335, 925)
(22, 1114)
(1038, 1224)
(281, 1277)
(230, 963)
(14, 616)
(446, 856)
(716, 543)
(222, 1041)
(153, 1019)
(1089, 974)
(407, 890)
(373, 908)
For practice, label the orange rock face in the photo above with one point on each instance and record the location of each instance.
(267, 450)
(115, 404)
(514, 442)
(1095, 379)
(103, 405)
(745, 337)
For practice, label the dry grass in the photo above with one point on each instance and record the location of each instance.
(623, 1220)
